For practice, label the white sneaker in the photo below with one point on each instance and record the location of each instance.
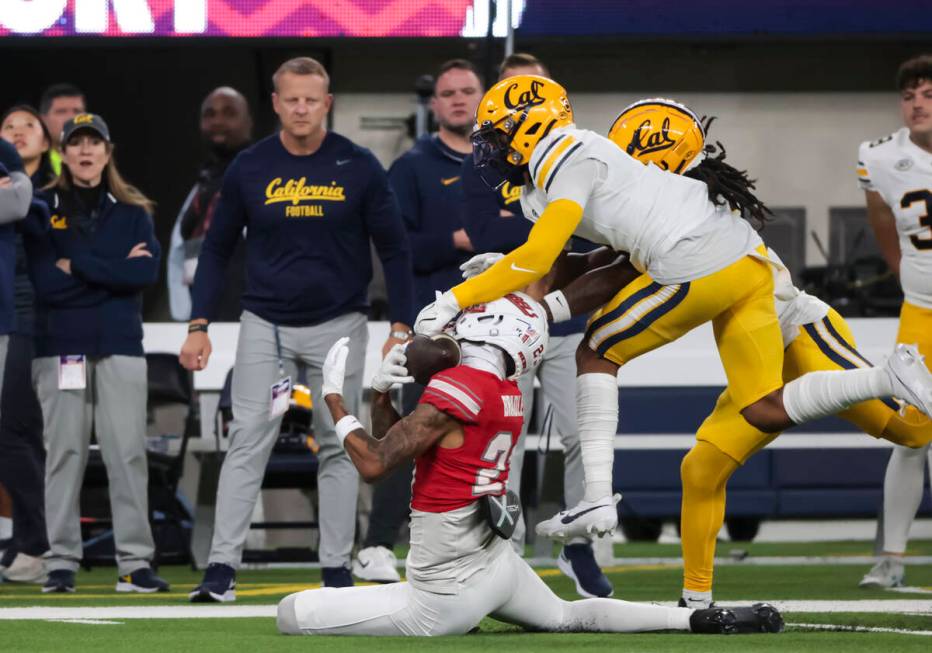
(585, 519)
(376, 564)
(25, 569)
(886, 573)
(912, 381)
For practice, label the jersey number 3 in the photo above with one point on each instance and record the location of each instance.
(925, 220)
(496, 452)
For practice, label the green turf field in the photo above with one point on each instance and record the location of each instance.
(642, 581)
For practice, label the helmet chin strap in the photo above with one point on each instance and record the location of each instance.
(487, 358)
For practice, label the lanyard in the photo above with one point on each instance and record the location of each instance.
(278, 352)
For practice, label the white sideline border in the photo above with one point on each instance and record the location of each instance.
(48, 613)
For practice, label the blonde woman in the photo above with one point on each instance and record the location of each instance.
(89, 268)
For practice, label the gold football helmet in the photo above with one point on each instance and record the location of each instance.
(659, 131)
(513, 117)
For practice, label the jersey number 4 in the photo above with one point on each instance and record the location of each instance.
(912, 197)
(496, 452)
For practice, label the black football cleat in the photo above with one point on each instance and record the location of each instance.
(759, 618)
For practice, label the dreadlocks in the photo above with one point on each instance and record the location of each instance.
(727, 184)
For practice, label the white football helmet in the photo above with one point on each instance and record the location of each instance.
(516, 323)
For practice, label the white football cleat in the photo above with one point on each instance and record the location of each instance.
(25, 569)
(912, 381)
(376, 564)
(585, 519)
(886, 573)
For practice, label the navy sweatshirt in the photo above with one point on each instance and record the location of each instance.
(495, 223)
(308, 220)
(97, 309)
(10, 161)
(427, 181)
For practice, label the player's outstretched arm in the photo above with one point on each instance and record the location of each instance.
(404, 439)
(590, 291)
(407, 438)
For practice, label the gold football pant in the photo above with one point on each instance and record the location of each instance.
(726, 440)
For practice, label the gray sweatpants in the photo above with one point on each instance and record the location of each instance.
(557, 374)
(114, 405)
(253, 433)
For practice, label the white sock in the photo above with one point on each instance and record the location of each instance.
(691, 597)
(597, 416)
(820, 394)
(902, 493)
(614, 616)
(6, 528)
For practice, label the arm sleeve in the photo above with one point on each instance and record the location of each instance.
(386, 228)
(529, 262)
(488, 230)
(219, 244)
(123, 274)
(863, 170)
(179, 295)
(451, 395)
(430, 250)
(15, 200)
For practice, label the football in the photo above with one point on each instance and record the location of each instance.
(427, 356)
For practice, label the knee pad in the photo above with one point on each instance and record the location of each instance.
(706, 467)
(286, 620)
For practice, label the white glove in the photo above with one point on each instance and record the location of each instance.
(480, 263)
(334, 369)
(433, 317)
(392, 370)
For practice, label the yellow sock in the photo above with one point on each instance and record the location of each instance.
(705, 471)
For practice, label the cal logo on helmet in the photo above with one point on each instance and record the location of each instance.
(513, 117)
(659, 131)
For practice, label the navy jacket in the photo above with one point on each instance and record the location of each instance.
(495, 223)
(308, 220)
(427, 181)
(97, 309)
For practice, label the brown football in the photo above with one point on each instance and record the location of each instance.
(426, 357)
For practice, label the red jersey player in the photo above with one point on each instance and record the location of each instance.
(461, 567)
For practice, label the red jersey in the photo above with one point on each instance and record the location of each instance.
(491, 412)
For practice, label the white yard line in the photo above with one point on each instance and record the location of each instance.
(141, 612)
(862, 629)
(901, 606)
(761, 561)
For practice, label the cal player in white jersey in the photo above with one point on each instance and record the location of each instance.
(895, 173)
(698, 261)
(461, 567)
(815, 337)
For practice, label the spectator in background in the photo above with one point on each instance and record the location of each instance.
(310, 201)
(226, 128)
(15, 197)
(494, 222)
(59, 104)
(89, 269)
(22, 466)
(23, 127)
(426, 180)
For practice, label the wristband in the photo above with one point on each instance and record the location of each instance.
(559, 307)
(193, 328)
(345, 426)
(401, 335)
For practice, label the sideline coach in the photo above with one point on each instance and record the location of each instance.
(310, 201)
